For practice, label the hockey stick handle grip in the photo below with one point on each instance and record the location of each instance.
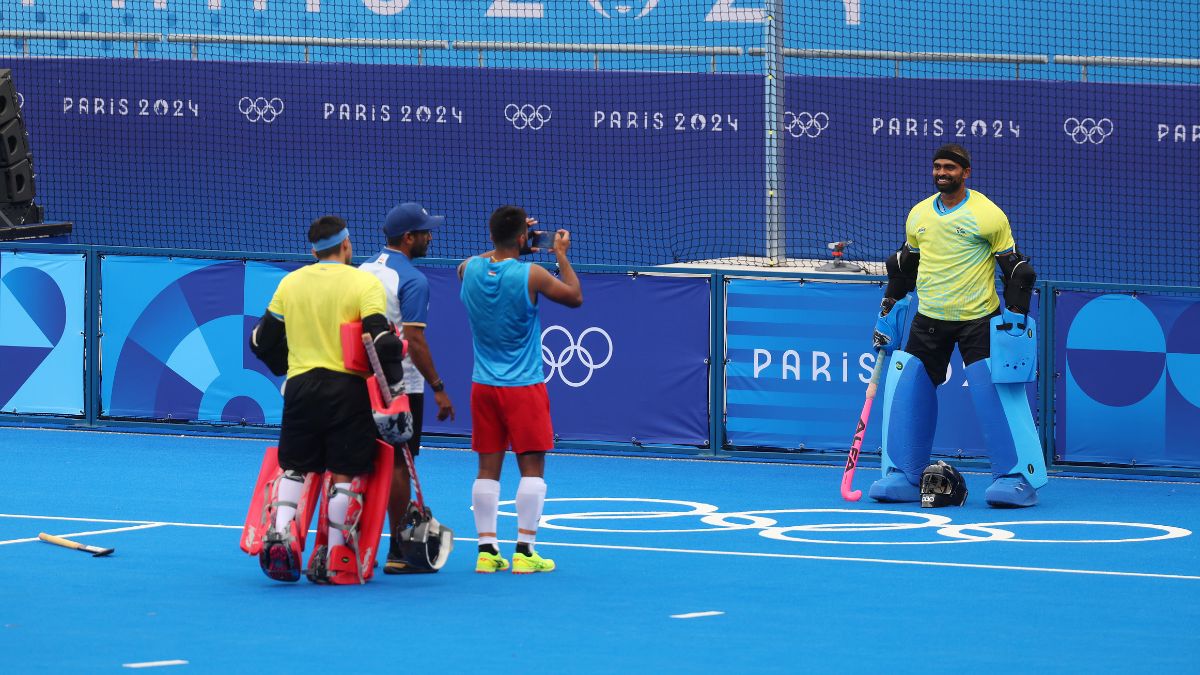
(67, 543)
(848, 493)
(384, 390)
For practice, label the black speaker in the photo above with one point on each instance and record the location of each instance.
(19, 214)
(14, 142)
(8, 97)
(16, 182)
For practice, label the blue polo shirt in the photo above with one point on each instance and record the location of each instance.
(407, 292)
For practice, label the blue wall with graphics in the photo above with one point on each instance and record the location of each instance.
(242, 155)
(42, 304)
(632, 368)
(1128, 385)
(175, 341)
(799, 361)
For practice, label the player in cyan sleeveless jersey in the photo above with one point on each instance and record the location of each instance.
(509, 406)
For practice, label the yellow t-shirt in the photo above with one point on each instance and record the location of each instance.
(956, 280)
(313, 302)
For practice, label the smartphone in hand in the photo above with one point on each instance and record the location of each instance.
(541, 239)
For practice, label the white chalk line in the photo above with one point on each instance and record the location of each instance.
(658, 549)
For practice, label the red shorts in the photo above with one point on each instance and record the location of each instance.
(516, 417)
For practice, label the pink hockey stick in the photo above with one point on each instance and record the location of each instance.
(852, 460)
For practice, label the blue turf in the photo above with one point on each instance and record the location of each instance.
(188, 593)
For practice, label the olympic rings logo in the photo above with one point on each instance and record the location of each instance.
(569, 353)
(935, 528)
(260, 109)
(1088, 130)
(527, 116)
(805, 123)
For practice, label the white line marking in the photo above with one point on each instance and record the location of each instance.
(747, 554)
(70, 535)
(835, 558)
(155, 664)
(695, 615)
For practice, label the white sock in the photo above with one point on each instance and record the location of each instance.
(485, 497)
(531, 497)
(288, 490)
(339, 504)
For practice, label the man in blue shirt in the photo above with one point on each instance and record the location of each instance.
(409, 231)
(509, 406)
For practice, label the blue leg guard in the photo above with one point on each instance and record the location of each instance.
(909, 419)
(1018, 465)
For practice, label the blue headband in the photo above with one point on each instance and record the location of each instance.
(331, 241)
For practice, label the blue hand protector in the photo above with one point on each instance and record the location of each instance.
(1013, 319)
(890, 322)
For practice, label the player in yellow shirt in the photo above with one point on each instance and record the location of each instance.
(954, 241)
(327, 420)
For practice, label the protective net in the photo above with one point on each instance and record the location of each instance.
(714, 132)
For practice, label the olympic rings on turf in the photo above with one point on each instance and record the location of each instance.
(769, 527)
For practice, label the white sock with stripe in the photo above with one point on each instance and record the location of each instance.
(485, 498)
(531, 498)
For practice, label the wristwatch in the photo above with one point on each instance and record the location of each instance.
(438, 387)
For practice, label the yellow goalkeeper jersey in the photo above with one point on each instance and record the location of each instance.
(313, 302)
(956, 280)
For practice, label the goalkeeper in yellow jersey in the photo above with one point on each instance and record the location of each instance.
(955, 240)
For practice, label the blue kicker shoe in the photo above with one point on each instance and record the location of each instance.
(1011, 492)
(894, 488)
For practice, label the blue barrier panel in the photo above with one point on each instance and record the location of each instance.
(629, 366)
(1128, 390)
(175, 341)
(800, 358)
(41, 333)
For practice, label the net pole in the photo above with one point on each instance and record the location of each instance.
(773, 95)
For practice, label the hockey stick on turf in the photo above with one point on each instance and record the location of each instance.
(852, 460)
(96, 551)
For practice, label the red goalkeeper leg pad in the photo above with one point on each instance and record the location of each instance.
(263, 504)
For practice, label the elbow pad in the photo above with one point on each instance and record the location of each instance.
(268, 341)
(388, 347)
(1018, 276)
(902, 272)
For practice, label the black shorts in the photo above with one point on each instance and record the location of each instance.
(416, 402)
(327, 424)
(933, 340)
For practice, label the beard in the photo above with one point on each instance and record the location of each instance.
(952, 186)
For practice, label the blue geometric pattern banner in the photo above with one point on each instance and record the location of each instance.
(1129, 379)
(800, 358)
(41, 333)
(175, 336)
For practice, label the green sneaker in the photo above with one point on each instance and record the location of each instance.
(487, 563)
(528, 564)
